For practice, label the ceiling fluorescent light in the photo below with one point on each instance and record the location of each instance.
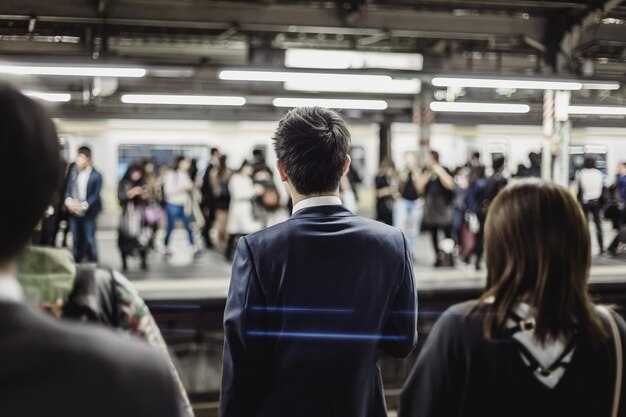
(601, 85)
(390, 86)
(505, 83)
(597, 110)
(53, 97)
(444, 106)
(77, 71)
(330, 103)
(301, 77)
(342, 59)
(183, 100)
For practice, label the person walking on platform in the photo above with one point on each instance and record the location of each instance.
(134, 235)
(384, 182)
(534, 344)
(590, 188)
(220, 179)
(619, 209)
(241, 220)
(176, 188)
(207, 204)
(438, 188)
(313, 299)
(82, 199)
(407, 211)
(53, 368)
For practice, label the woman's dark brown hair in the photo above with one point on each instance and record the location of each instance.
(538, 251)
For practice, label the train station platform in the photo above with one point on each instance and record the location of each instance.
(208, 275)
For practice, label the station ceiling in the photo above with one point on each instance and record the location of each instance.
(184, 44)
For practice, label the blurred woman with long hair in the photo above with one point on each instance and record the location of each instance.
(534, 343)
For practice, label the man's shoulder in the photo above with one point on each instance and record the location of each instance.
(109, 354)
(363, 227)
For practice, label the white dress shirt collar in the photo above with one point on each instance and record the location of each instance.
(10, 289)
(324, 200)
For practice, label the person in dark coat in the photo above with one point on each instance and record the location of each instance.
(534, 344)
(134, 235)
(53, 368)
(313, 299)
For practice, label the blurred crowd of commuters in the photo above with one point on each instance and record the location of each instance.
(454, 203)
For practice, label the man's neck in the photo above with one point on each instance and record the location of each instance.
(296, 197)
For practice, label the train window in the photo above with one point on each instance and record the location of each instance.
(578, 154)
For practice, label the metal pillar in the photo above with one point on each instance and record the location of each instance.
(562, 139)
(384, 136)
(548, 134)
(424, 117)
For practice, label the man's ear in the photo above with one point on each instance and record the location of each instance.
(281, 171)
(346, 166)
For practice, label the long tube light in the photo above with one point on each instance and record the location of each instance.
(444, 106)
(391, 86)
(597, 110)
(286, 76)
(505, 83)
(77, 71)
(53, 97)
(324, 82)
(330, 103)
(342, 59)
(190, 100)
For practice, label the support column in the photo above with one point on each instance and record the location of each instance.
(384, 136)
(562, 139)
(548, 134)
(424, 117)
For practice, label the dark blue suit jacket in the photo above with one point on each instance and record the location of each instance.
(311, 302)
(94, 186)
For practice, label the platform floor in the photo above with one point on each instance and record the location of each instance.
(207, 276)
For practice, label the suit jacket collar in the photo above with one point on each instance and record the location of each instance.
(322, 211)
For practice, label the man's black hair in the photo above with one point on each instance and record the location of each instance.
(30, 168)
(476, 155)
(214, 151)
(589, 162)
(311, 143)
(498, 163)
(435, 155)
(84, 150)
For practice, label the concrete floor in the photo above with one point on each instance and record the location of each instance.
(207, 275)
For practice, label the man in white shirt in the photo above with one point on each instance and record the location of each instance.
(591, 185)
(50, 367)
(82, 199)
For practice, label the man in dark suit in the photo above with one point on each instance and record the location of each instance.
(53, 368)
(314, 298)
(82, 199)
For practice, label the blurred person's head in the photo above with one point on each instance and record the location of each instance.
(621, 169)
(148, 166)
(535, 159)
(134, 173)
(433, 159)
(311, 145)
(538, 251)
(477, 173)
(475, 159)
(258, 155)
(30, 152)
(387, 168)
(410, 161)
(498, 163)
(180, 163)
(246, 168)
(589, 162)
(83, 158)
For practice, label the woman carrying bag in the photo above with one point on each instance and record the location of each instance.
(534, 344)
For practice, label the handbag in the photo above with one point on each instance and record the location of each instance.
(619, 360)
(153, 214)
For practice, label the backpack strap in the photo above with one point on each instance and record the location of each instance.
(93, 297)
